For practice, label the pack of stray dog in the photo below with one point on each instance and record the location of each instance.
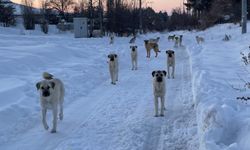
(52, 91)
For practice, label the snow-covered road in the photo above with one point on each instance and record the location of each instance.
(99, 115)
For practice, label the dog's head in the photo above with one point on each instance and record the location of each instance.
(170, 53)
(159, 75)
(146, 42)
(133, 48)
(45, 87)
(112, 57)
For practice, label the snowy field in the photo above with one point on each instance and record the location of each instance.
(201, 107)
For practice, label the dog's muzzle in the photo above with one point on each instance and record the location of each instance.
(46, 93)
(159, 79)
(133, 49)
(112, 59)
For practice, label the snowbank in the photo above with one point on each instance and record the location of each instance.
(223, 121)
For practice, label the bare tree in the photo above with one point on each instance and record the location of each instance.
(28, 14)
(62, 6)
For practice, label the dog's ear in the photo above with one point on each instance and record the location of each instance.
(131, 46)
(167, 51)
(115, 55)
(135, 46)
(52, 84)
(153, 73)
(108, 56)
(38, 85)
(165, 73)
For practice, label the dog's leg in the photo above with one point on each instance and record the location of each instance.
(112, 76)
(61, 110)
(173, 70)
(132, 63)
(54, 119)
(156, 106)
(45, 125)
(168, 71)
(136, 63)
(116, 74)
(162, 106)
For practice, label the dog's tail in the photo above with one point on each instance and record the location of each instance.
(47, 76)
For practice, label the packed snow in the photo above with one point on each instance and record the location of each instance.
(201, 107)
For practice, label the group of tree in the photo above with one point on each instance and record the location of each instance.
(6, 13)
(211, 12)
(124, 16)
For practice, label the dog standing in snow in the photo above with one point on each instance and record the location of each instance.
(176, 43)
(170, 62)
(113, 67)
(132, 40)
(51, 95)
(149, 46)
(171, 37)
(112, 37)
(199, 39)
(180, 40)
(134, 57)
(159, 89)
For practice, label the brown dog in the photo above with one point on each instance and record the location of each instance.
(149, 46)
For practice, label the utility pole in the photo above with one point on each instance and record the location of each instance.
(244, 16)
(140, 15)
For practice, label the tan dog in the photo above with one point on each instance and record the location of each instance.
(170, 62)
(150, 46)
(51, 95)
(134, 57)
(113, 67)
(199, 39)
(159, 89)
(171, 37)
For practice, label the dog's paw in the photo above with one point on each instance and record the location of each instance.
(53, 131)
(156, 115)
(162, 115)
(46, 127)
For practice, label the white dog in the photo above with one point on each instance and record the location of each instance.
(51, 95)
(134, 57)
(199, 39)
(113, 67)
(159, 89)
(170, 62)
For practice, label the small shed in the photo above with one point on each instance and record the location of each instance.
(81, 27)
